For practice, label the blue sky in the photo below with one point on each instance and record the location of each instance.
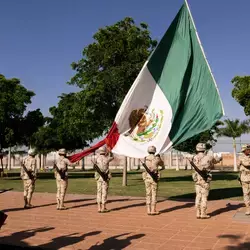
(40, 39)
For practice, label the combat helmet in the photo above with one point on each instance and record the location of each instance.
(201, 147)
(31, 152)
(151, 149)
(62, 151)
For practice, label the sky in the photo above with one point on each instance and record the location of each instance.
(41, 38)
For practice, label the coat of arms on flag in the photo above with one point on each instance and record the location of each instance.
(174, 97)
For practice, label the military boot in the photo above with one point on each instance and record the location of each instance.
(247, 210)
(25, 203)
(62, 207)
(148, 209)
(104, 209)
(99, 207)
(58, 204)
(204, 214)
(29, 203)
(153, 210)
(198, 213)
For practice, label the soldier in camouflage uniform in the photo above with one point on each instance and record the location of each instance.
(244, 164)
(154, 163)
(29, 183)
(62, 163)
(102, 160)
(205, 163)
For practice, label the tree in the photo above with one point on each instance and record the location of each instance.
(208, 137)
(241, 92)
(106, 72)
(29, 125)
(234, 129)
(14, 99)
(60, 129)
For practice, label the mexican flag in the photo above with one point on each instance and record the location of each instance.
(173, 98)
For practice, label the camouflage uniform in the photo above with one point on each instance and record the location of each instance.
(244, 163)
(153, 162)
(203, 162)
(62, 163)
(29, 184)
(102, 162)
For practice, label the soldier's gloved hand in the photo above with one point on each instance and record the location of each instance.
(158, 175)
(109, 176)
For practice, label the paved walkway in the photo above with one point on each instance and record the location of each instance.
(126, 227)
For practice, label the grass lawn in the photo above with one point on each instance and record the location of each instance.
(173, 184)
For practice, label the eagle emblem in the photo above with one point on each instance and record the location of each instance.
(145, 124)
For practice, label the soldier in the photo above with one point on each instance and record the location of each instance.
(61, 175)
(102, 160)
(205, 163)
(28, 175)
(244, 164)
(154, 163)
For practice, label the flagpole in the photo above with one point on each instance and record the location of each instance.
(203, 52)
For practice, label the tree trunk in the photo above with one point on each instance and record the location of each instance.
(129, 162)
(170, 159)
(12, 161)
(177, 161)
(82, 164)
(42, 162)
(38, 161)
(235, 158)
(9, 159)
(124, 175)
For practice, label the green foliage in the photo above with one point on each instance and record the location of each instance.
(208, 137)
(106, 72)
(29, 125)
(241, 92)
(14, 99)
(58, 131)
(234, 128)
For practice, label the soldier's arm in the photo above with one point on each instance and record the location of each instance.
(68, 163)
(111, 157)
(34, 167)
(161, 162)
(217, 159)
(21, 172)
(245, 162)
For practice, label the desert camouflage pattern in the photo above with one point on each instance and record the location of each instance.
(202, 187)
(154, 163)
(28, 184)
(62, 163)
(244, 164)
(102, 162)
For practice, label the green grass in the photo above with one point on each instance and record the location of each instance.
(173, 184)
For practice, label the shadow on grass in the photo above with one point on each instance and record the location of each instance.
(216, 177)
(72, 175)
(214, 194)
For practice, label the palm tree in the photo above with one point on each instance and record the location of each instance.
(234, 128)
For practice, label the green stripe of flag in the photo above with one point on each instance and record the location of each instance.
(179, 67)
